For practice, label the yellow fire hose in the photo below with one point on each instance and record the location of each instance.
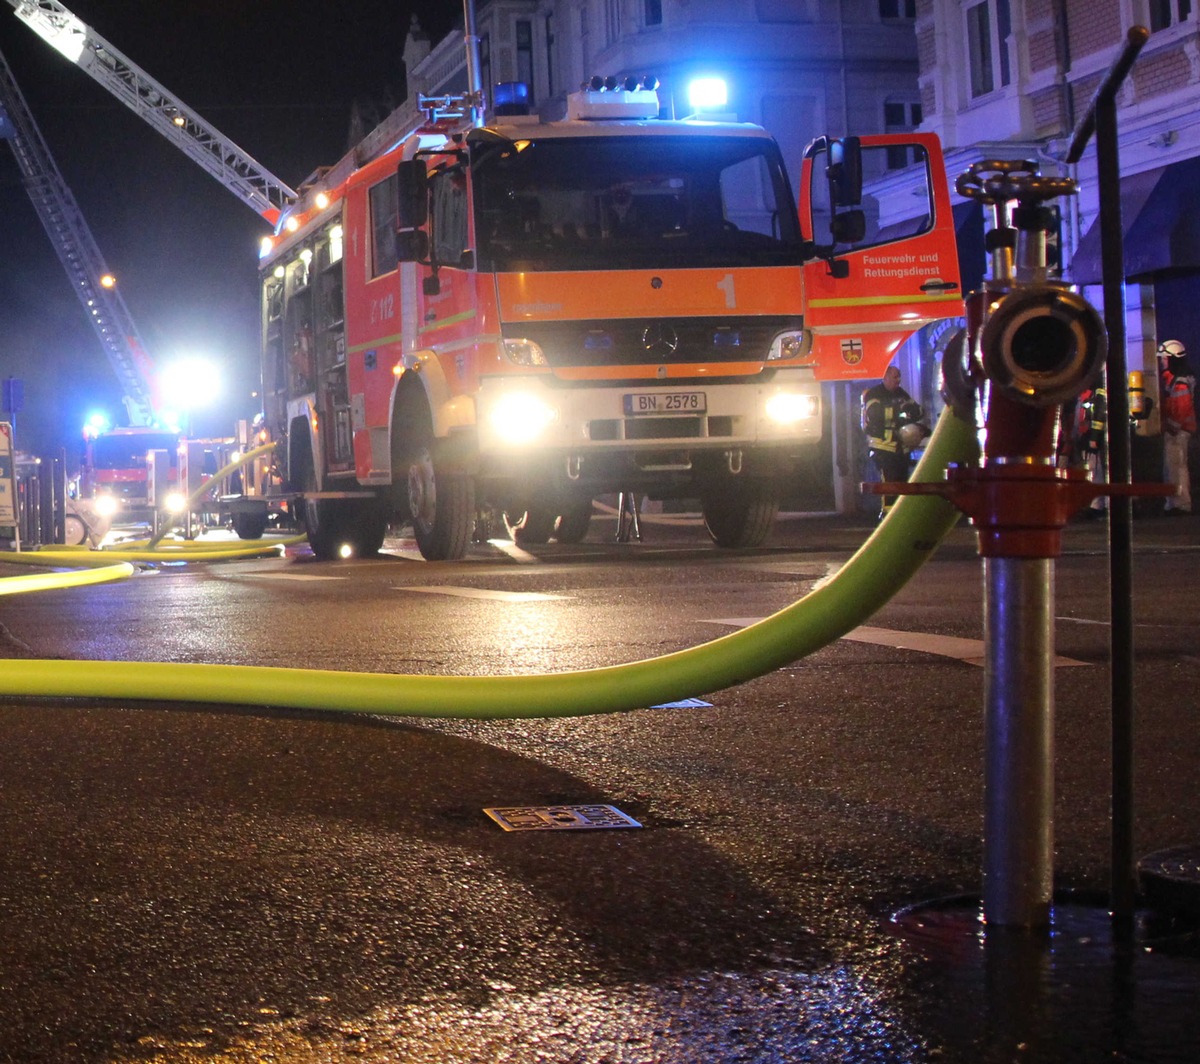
(878, 570)
(15, 585)
(199, 553)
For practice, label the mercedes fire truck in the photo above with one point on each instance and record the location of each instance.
(522, 315)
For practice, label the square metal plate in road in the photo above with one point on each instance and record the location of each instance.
(560, 817)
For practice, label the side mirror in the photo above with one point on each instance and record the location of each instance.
(844, 172)
(412, 194)
(412, 245)
(849, 227)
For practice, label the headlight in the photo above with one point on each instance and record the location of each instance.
(525, 353)
(520, 417)
(786, 408)
(175, 502)
(789, 345)
(106, 505)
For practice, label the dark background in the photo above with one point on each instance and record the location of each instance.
(282, 79)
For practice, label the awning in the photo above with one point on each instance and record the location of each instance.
(1160, 210)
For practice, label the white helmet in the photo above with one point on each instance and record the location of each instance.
(911, 435)
(1172, 349)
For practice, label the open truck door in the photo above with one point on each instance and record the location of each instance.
(881, 264)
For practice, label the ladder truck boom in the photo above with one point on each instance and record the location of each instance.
(77, 251)
(252, 183)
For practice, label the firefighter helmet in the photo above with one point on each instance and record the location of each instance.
(1172, 349)
(911, 435)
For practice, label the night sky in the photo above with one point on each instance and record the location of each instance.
(280, 78)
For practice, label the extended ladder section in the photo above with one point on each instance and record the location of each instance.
(76, 249)
(254, 185)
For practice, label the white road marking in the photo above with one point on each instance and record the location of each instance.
(484, 593)
(288, 576)
(968, 651)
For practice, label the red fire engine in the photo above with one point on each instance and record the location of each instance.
(523, 315)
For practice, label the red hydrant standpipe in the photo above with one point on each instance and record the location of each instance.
(1030, 345)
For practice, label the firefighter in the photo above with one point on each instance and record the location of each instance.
(892, 421)
(1179, 422)
(1088, 424)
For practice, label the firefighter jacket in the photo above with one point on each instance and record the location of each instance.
(1179, 408)
(1091, 417)
(881, 418)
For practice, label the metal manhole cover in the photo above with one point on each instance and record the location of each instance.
(560, 817)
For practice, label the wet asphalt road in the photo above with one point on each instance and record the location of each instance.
(179, 883)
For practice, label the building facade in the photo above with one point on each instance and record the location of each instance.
(1013, 78)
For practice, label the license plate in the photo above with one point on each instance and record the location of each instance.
(641, 403)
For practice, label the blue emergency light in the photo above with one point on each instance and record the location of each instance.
(511, 98)
(707, 94)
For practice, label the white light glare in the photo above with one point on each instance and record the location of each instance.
(786, 408)
(175, 502)
(705, 94)
(520, 417)
(107, 505)
(190, 383)
(67, 35)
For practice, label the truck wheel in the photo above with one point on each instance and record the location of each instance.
(75, 531)
(535, 527)
(740, 517)
(250, 525)
(442, 506)
(573, 523)
(333, 525)
(324, 528)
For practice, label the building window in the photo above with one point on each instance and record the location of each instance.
(524, 30)
(612, 21)
(585, 41)
(989, 25)
(1167, 13)
(901, 116)
(895, 10)
(652, 12)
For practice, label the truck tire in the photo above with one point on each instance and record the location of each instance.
(442, 507)
(75, 530)
(535, 527)
(333, 525)
(250, 525)
(742, 516)
(574, 521)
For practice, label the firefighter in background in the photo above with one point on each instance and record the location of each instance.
(893, 423)
(1178, 420)
(1089, 419)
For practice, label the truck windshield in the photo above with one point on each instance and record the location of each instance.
(646, 202)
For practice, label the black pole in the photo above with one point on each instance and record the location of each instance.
(1101, 119)
(60, 496)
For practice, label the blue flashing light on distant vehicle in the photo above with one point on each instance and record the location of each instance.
(708, 94)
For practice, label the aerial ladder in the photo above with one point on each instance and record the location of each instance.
(220, 157)
(77, 251)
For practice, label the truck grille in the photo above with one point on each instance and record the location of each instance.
(637, 341)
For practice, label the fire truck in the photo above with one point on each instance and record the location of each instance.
(521, 315)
